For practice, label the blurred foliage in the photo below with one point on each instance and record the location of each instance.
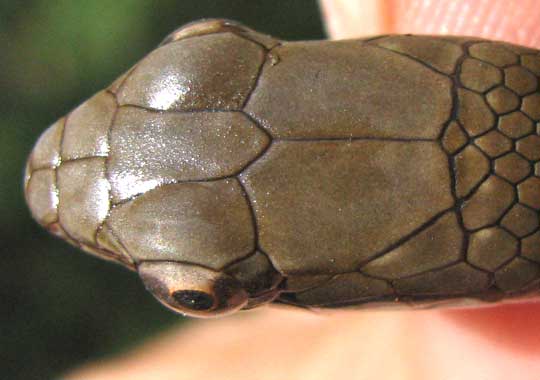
(60, 308)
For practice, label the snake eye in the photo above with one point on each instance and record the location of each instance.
(192, 290)
(202, 27)
(193, 299)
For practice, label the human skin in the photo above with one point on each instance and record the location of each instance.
(496, 342)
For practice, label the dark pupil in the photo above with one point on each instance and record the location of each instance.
(193, 299)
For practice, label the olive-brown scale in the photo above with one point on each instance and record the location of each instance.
(231, 169)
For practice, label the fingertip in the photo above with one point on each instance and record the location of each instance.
(349, 19)
(513, 326)
(512, 21)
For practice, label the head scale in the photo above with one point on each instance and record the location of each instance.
(145, 172)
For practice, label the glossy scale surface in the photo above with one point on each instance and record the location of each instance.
(390, 170)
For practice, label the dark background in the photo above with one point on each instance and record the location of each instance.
(59, 307)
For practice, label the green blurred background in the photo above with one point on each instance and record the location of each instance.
(60, 308)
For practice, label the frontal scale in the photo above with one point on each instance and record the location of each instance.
(231, 169)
